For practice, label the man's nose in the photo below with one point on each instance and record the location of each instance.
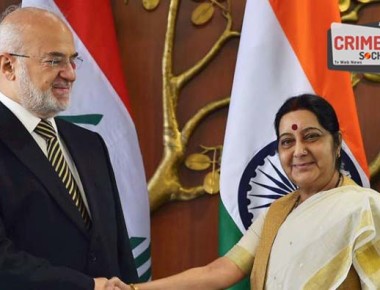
(68, 72)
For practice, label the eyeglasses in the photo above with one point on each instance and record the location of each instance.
(56, 61)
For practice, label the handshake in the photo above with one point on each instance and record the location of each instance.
(112, 284)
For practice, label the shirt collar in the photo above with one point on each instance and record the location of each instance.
(29, 120)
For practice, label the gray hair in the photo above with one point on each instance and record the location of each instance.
(9, 10)
(10, 34)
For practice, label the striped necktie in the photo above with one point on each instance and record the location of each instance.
(56, 158)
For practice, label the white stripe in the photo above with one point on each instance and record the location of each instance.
(144, 267)
(141, 248)
(267, 72)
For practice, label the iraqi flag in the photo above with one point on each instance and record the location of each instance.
(100, 103)
(282, 53)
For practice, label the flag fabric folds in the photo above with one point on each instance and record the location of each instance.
(100, 103)
(282, 53)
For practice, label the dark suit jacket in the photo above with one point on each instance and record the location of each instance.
(43, 241)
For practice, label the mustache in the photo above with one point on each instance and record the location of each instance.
(62, 84)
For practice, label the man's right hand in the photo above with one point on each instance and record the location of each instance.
(116, 284)
(100, 283)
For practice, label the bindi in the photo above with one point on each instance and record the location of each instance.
(294, 127)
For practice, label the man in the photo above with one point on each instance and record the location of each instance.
(61, 222)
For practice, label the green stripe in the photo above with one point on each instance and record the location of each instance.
(143, 257)
(146, 276)
(92, 119)
(136, 241)
(229, 235)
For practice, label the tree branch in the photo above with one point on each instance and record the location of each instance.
(190, 125)
(227, 34)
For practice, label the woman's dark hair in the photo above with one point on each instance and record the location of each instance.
(322, 109)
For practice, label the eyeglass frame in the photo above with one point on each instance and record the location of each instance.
(58, 60)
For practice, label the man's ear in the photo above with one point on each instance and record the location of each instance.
(7, 66)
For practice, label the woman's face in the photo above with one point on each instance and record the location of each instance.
(307, 152)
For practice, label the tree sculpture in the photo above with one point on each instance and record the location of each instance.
(165, 185)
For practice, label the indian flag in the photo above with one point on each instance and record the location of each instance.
(100, 103)
(282, 53)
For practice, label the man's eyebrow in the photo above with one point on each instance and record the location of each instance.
(60, 54)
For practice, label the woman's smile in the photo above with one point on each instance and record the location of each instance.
(307, 152)
(302, 165)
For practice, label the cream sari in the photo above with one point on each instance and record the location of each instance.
(315, 245)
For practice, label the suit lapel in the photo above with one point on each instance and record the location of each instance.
(15, 136)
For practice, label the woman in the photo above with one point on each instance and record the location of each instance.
(325, 235)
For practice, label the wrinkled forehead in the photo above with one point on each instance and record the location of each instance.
(49, 40)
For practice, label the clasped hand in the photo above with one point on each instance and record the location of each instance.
(111, 284)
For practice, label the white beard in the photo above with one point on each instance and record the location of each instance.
(41, 103)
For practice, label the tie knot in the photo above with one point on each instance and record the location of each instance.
(46, 130)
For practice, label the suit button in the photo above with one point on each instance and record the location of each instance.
(92, 257)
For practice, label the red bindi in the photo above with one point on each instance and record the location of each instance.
(294, 127)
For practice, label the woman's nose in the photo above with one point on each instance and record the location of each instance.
(300, 150)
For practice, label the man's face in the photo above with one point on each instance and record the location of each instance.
(42, 102)
(44, 89)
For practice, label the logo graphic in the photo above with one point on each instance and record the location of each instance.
(354, 47)
(263, 181)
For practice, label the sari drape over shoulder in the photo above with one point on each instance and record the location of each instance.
(330, 241)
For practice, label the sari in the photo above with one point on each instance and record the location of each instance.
(330, 241)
